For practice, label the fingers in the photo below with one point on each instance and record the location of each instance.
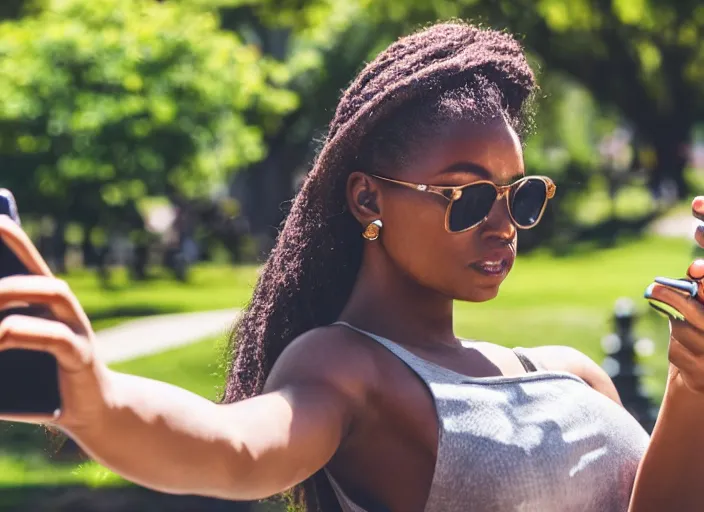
(692, 309)
(698, 212)
(698, 207)
(696, 273)
(686, 352)
(690, 365)
(72, 352)
(20, 244)
(696, 270)
(36, 419)
(47, 291)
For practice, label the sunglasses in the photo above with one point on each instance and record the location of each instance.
(470, 204)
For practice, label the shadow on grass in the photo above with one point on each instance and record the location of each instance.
(606, 234)
(611, 231)
(116, 499)
(112, 317)
(130, 312)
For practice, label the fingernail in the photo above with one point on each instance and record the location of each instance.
(696, 269)
(698, 207)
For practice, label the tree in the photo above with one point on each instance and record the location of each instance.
(105, 102)
(11, 9)
(322, 43)
(643, 57)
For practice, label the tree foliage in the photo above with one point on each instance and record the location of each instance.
(104, 102)
(644, 58)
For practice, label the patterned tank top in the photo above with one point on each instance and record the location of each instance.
(543, 441)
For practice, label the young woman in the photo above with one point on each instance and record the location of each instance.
(347, 376)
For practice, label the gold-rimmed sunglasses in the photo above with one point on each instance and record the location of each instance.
(469, 205)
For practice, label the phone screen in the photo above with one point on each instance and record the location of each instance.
(29, 381)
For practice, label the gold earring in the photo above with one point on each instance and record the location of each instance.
(372, 231)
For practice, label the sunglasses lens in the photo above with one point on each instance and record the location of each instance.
(474, 204)
(527, 200)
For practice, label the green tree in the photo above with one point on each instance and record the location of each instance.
(105, 102)
(643, 57)
(322, 43)
(11, 9)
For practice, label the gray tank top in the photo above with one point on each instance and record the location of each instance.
(544, 441)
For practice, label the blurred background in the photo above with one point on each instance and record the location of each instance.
(154, 148)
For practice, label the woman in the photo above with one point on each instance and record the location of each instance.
(414, 201)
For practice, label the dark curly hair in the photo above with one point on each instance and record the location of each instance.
(446, 72)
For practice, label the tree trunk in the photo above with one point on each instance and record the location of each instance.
(671, 144)
(265, 190)
(60, 247)
(90, 256)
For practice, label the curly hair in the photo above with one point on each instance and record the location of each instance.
(446, 72)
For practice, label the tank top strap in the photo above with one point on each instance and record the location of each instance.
(528, 363)
(346, 504)
(427, 371)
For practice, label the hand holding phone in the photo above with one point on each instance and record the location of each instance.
(682, 301)
(691, 287)
(28, 379)
(698, 212)
(48, 369)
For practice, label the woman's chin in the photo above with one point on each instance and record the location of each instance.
(478, 294)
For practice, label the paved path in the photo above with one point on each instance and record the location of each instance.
(679, 226)
(154, 334)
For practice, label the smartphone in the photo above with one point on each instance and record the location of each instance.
(29, 379)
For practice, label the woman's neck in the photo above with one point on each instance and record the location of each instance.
(388, 302)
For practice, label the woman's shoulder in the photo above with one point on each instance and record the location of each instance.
(330, 354)
(562, 358)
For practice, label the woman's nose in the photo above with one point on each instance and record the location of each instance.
(499, 222)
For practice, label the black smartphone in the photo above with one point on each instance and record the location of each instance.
(29, 379)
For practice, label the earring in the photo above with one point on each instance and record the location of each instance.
(372, 231)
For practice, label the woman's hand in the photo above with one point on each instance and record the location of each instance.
(686, 350)
(698, 212)
(67, 335)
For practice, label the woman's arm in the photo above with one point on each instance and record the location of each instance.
(168, 439)
(671, 474)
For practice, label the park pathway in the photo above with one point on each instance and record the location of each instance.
(154, 334)
(681, 225)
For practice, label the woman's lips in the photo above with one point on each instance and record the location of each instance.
(494, 265)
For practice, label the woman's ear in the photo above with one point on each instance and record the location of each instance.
(363, 197)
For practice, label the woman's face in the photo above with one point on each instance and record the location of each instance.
(467, 266)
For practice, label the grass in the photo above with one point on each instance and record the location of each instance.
(197, 368)
(209, 287)
(546, 300)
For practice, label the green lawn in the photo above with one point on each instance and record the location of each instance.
(546, 300)
(209, 287)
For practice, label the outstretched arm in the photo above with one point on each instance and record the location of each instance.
(168, 439)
